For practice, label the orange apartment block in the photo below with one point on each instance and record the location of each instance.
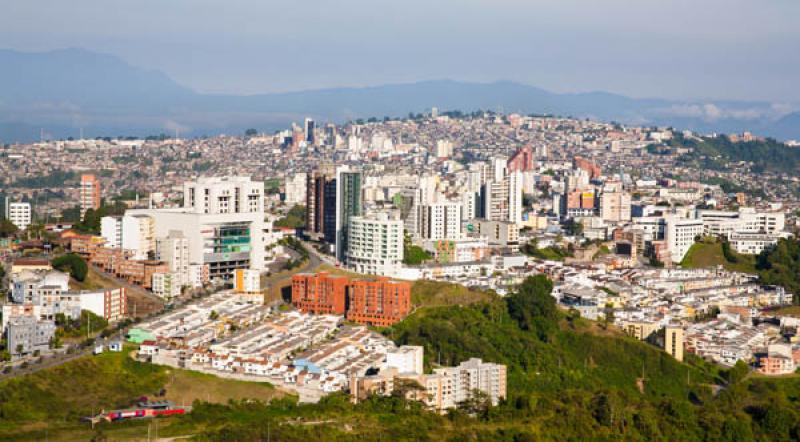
(320, 294)
(590, 167)
(381, 303)
(140, 272)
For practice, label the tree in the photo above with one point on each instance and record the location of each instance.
(533, 307)
(73, 264)
(250, 132)
(7, 228)
(738, 372)
(19, 349)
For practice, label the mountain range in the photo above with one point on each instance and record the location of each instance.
(60, 92)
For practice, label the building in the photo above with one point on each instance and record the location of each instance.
(132, 233)
(27, 334)
(502, 198)
(522, 160)
(778, 360)
(375, 244)
(379, 303)
(348, 205)
(18, 213)
(246, 281)
(439, 221)
(319, 293)
(173, 250)
(167, 285)
(673, 341)
(223, 220)
(615, 204)
(444, 148)
(31, 286)
(295, 188)
(751, 243)
(680, 234)
(110, 304)
(498, 233)
(89, 193)
(321, 206)
(310, 137)
(407, 359)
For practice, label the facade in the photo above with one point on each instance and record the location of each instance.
(680, 235)
(320, 293)
(89, 193)
(615, 204)
(166, 285)
(19, 214)
(751, 243)
(223, 221)
(348, 205)
(522, 160)
(246, 281)
(502, 198)
(173, 250)
(379, 303)
(375, 245)
(132, 233)
(439, 221)
(321, 206)
(295, 188)
(26, 334)
(673, 341)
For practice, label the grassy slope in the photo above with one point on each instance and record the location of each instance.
(709, 254)
(56, 398)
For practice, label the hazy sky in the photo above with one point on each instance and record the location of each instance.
(646, 48)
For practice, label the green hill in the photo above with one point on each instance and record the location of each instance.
(568, 379)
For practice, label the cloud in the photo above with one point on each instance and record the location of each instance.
(711, 112)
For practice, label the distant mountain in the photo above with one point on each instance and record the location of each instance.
(64, 90)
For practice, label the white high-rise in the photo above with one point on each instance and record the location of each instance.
(19, 214)
(375, 244)
(679, 235)
(439, 221)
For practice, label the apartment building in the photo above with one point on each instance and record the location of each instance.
(19, 213)
(320, 293)
(375, 244)
(89, 193)
(680, 234)
(439, 221)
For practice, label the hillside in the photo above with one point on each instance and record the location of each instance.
(566, 381)
(768, 155)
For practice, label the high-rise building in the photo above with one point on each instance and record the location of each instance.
(522, 160)
(89, 193)
(348, 205)
(133, 233)
(296, 187)
(18, 213)
(615, 203)
(174, 251)
(309, 131)
(502, 200)
(321, 206)
(374, 244)
(673, 341)
(439, 221)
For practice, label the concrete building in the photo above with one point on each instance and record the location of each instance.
(375, 244)
(246, 281)
(348, 205)
(751, 243)
(295, 188)
(439, 221)
(680, 234)
(673, 341)
(223, 221)
(132, 233)
(19, 214)
(89, 193)
(26, 334)
(173, 250)
(321, 206)
(615, 203)
(407, 359)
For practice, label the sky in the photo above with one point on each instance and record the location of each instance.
(678, 49)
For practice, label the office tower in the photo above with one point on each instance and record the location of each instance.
(330, 134)
(348, 205)
(321, 206)
(374, 244)
(673, 341)
(89, 193)
(309, 131)
(18, 213)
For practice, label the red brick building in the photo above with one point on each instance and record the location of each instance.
(320, 294)
(380, 302)
(591, 168)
